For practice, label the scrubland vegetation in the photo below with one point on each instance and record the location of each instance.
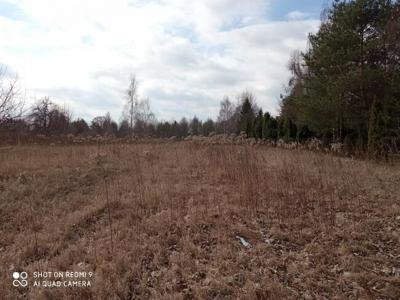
(188, 220)
(300, 205)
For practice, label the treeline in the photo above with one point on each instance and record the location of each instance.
(46, 118)
(49, 119)
(346, 86)
(243, 117)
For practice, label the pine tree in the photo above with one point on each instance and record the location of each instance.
(246, 118)
(304, 133)
(265, 125)
(258, 125)
(352, 59)
(376, 132)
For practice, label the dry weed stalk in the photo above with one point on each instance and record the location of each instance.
(109, 213)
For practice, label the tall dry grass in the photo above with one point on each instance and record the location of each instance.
(165, 221)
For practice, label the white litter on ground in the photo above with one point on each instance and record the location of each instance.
(243, 241)
(269, 241)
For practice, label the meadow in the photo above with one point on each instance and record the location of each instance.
(183, 220)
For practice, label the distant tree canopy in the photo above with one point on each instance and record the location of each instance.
(348, 82)
(79, 127)
(104, 125)
(48, 118)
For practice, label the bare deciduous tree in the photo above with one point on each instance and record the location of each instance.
(144, 112)
(11, 104)
(40, 115)
(296, 67)
(48, 118)
(144, 117)
(104, 125)
(226, 112)
(137, 111)
(132, 104)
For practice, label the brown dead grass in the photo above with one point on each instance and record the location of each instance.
(163, 221)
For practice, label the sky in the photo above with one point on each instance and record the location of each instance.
(186, 55)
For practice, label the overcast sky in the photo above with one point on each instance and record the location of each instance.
(186, 54)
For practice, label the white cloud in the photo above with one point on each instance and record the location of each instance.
(297, 15)
(186, 54)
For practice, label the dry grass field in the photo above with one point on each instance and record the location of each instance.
(185, 221)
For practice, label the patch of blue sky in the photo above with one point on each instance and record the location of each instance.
(237, 22)
(11, 11)
(183, 32)
(280, 9)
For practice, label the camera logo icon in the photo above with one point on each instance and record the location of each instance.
(20, 279)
